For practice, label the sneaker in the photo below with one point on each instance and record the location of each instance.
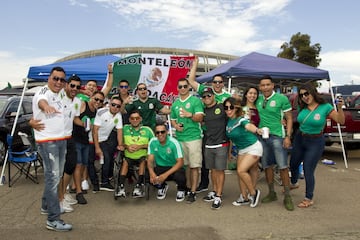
(65, 207)
(288, 203)
(137, 193)
(217, 203)
(241, 201)
(72, 190)
(107, 187)
(58, 225)
(96, 188)
(255, 199)
(80, 198)
(43, 211)
(120, 192)
(269, 198)
(69, 199)
(180, 196)
(200, 189)
(85, 185)
(191, 197)
(162, 192)
(209, 197)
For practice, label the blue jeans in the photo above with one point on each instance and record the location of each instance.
(82, 151)
(274, 152)
(53, 155)
(307, 150)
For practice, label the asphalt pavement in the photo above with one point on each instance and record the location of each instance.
(335, 214)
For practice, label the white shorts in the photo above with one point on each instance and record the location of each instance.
(255, 149)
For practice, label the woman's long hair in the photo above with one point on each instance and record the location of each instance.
(310, 88)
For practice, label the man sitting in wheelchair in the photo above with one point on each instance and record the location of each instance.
(136, 139)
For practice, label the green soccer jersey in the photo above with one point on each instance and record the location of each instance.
(139, 137)
(313, 122)
(147, 109)
(219, 97)
(236, 132)
(83, 97)
(191, 129)
(271, 112)
(165, 155)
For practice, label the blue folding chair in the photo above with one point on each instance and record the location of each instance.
(22, 160)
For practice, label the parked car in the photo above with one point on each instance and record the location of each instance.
(8, 108)
(350, 130)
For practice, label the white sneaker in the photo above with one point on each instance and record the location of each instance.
(180, 196)
(85, 185)
(69, 199)
(241, 201)
(120, 192)
(65, 207)
(162, 192)
(137, 191)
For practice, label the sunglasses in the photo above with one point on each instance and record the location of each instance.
(135, 118)
(56, 79)
(209, 95)
(231, 107)
(142, 89)
(116, 105)
(217, 82)
(99, 100)
(121, 86)
(182, 86)
(75, 86)
(301, 95)
(264, 103)
(160, 132)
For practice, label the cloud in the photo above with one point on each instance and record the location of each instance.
(225, 26)
(77, 3)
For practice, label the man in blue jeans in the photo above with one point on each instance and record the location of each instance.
(272, 108)
(49, 109)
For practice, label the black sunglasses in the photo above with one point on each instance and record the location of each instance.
(301, 95)
(99, 100)
(209, 95)
(142, 89)
(264, 103)
(75, 86)
(56, 79)
(160, 132)
(217, 82)
(231, 107)
(121, 86)
(116, 105)
(182, 86)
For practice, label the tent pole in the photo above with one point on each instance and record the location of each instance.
(229, 85)
(338, 126)
(13, 131)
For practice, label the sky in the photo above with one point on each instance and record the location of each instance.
(39, 32)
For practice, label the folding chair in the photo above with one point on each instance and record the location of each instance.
(22, 160)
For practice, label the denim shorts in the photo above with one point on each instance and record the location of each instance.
(274, 152)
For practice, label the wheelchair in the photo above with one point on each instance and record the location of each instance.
(133, 172)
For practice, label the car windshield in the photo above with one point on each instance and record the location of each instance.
(2, 104)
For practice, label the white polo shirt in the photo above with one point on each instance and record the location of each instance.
(54, 123)
(106, 122)
(71, 109)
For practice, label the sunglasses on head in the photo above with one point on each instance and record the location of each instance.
(124, 86)
(99, 100)
(209, 95)
(56, 79)
(115, 105)
(160, 132)
(231, 107)
(217, 82)
(135, 118)
(75, 86)
(304, 94)
(142, 89)
(182, 86)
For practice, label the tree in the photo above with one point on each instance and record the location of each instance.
(300, 50)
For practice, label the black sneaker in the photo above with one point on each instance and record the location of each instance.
(80, 198)
(200, 189)
(209, 197)
(96, 188)
(217, 203)
(191, 197)
(255, 199)
(107, 187)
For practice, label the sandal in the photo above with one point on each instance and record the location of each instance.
(305, 203)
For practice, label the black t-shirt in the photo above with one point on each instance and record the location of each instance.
(215, 122)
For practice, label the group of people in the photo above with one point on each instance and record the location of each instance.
(71, 132)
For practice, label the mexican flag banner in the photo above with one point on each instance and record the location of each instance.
(160, 73)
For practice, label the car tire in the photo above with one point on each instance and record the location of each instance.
(2, 151)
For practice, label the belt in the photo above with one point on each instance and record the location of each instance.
(311, 135)
(218, 145)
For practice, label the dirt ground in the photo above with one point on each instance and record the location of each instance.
(335, 214)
